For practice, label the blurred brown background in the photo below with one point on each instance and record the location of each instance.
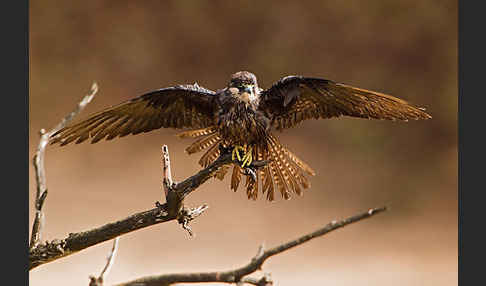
(404, 48)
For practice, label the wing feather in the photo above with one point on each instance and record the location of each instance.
(173, 107)
(295, 98)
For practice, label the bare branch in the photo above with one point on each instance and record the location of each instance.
(188, 215)
(110, 259)
(172, 210)
(238, 275)
(81, 105)
(98, 281)
(38, 162)
(266, 280)
(167, 181)
(50, 251)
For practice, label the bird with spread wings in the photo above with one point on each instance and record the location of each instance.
(241, 117)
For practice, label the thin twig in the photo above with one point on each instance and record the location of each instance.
(187, 215)
(265, 280)
(38, 161)
(167, 181)
(110, 259)
(238, 275)
(98, 281)
(175, 198)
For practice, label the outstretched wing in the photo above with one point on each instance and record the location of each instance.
(295, 98)
(173, 107)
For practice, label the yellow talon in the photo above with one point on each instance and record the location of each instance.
(237, 153)
(248, 158)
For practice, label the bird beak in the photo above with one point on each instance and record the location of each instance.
(248, 89)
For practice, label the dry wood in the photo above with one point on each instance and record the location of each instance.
(238, 275)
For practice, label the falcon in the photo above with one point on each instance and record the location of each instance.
(242, 118)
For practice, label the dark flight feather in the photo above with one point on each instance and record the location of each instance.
(174, 107)
(295, 98)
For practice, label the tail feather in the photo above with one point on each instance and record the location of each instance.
(212, 141)
(197, 133)
(296, 168)
(221, 172)
(209, 156)
(293, 173)
(285, 172)
(267, 183)
(252, 186)
(299, 162)
(261, 172)
(235, 178)
(203, 143)
(279, 175)
(290, 167)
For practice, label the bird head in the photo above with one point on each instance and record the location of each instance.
(245, 86)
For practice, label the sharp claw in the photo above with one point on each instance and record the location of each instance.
(245, 159)
(238, 154)
(249, 157)
(236, 151)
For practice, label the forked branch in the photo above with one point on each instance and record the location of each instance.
(38, 161)
(172, 210)
(239, 275)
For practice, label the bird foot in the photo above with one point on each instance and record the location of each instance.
(246, 158)
(236, 152)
